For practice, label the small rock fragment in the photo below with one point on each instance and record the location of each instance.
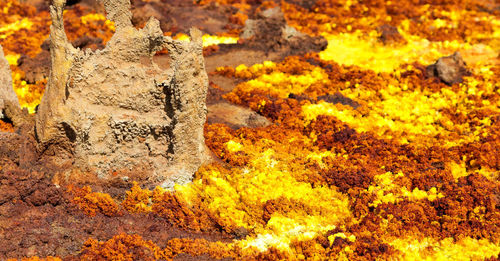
(339, 98)
(307, 4)
(235, 116)
(450, 69)
(331, 98)
(390, 34)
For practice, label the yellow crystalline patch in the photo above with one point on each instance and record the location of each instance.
(331, 238)
(263, 179)
(418, 194)
(318, 157)
(6, 30)
(280, 84)
(213, 39)
(458, 170)
(29, 97)
(12, 58)
(210, 39)
(86, 19)
(410, 115)
(283, 232)
(233, 146)
(489, 174)
(446, 249)
(366, 51)
(386, 191)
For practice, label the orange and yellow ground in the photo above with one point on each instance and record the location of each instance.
(412, 173)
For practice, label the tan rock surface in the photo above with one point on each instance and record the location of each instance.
(116, 111)
(6, 90)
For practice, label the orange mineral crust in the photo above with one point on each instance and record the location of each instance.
(370, 154)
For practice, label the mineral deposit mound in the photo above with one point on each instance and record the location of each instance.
(249, 130)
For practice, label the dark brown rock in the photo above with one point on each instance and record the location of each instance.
(269, 31)
(235, 116)
(339, 98)
(390, 34)
(36, 68)
(449, 69)
(307, 4)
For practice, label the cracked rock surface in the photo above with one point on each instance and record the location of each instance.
(115, 112)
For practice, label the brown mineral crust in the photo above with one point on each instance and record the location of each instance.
(52, 225)
(6, 126)
(218, 134)
(281, 206)
(449, 216)
(338, 97)
(178, 16)
(307, 4)
(169, 206)
(18, 147)
(484, 152)
(214, 94)
(367, 246)
(37, 68)
(308, 249)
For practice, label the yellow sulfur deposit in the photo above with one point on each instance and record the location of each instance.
(209, 40)
(388, 192)
(446, 249)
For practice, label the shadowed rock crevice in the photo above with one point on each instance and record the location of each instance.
(120, 111)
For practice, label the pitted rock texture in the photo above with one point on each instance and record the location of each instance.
(114, 111)
(7, 93)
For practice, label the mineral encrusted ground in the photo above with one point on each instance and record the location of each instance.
(368, 154)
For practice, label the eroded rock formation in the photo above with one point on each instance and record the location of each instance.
(115, 111)
(7, 94)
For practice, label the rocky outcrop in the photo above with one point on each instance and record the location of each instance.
(114, 111)
(7, 94)
(269, 31)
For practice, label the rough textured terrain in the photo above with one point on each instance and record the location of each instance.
(356, 152)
